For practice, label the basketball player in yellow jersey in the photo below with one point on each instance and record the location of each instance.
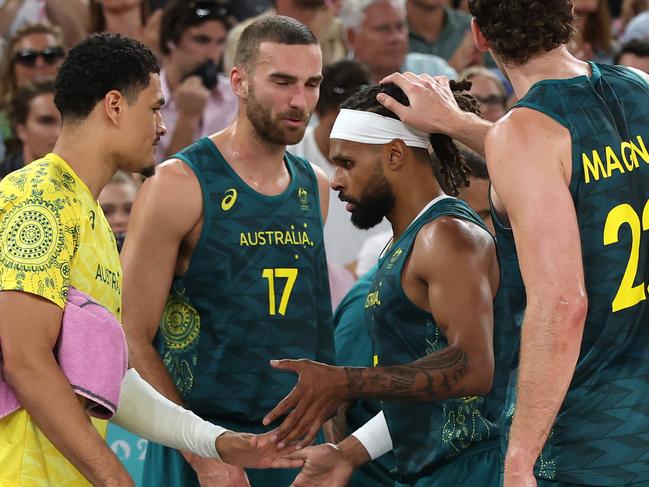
(53, 234)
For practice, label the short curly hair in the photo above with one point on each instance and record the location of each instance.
(98, 64)
(519, 29)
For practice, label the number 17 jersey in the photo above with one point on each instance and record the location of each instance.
(601, 434)
(256, 289)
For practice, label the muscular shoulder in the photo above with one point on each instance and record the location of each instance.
(447, 243)
(173, 194)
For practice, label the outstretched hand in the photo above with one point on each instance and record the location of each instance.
(254, 451)
(319, 391)
(324, 466)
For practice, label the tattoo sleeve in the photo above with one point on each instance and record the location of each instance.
(437, 376)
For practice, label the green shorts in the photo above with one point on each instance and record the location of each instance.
(478, 470)
(555, 483)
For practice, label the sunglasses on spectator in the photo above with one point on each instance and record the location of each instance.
(491, 99)
(28, 57)
(207, 9)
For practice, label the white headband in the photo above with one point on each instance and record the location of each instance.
(372, 128)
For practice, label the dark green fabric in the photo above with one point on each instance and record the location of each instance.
(601, 433)
(427, 435)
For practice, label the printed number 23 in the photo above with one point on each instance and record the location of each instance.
(291, 276)
(627, 295)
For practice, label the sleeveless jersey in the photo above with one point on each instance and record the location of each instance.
(602, 427)
(427, 435)
(256, 289)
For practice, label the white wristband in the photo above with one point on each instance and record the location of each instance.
(144, 411)
(375, 436)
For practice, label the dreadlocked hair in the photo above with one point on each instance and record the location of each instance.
(453, 167)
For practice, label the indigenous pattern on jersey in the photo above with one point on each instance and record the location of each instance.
(601, 433)
(256, 289)
(354, 349)
(53, 234)
(428, 435)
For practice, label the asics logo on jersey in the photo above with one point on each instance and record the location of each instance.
(229, 200)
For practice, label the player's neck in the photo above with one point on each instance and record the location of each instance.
(243, 148)
(84, 152)
(411, 199)
(555, 64)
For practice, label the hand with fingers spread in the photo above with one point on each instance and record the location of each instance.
(324, 466)
(319, 391)
(253, 451)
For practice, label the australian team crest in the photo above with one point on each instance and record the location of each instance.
(303, 197)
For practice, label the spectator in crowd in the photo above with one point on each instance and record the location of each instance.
(638, 28)
(377, 35)
(489, 90)
(634, 54)
(594, 39)
(127, 17)
(70, 15)
(34, 52)
(630, 9)
(200, 101)
(342, 79)
(317, 15)
(244, 9)
(116, 200)
(36, 122)
(437, 29)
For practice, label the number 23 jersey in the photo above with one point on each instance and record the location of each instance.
(256, 289)
(601, 435)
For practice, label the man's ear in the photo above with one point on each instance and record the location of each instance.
(480, 40)
(239, 82)
(397, 151)
(21, 133)
(113, 106)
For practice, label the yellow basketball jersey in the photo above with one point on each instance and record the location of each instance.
(53, 234)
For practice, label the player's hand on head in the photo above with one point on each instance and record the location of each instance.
(215, 473)
(319, 391)
(254, 451)
(324, 466)
(191, 97)
(432, 103)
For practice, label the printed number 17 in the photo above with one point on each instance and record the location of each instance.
(291, 276)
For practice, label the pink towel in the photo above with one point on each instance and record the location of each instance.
(92, 353)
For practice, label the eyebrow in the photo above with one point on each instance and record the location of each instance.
(292, 79)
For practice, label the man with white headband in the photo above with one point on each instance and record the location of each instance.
(438, 319)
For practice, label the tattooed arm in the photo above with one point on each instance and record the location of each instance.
(453, 273)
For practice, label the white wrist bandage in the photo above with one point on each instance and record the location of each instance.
(375, 436)
(147, 413)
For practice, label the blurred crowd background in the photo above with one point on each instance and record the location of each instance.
(362, 41)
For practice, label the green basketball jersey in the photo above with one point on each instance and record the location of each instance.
(354, 349)
(256, 289)
(601, 434)
(428, 435)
